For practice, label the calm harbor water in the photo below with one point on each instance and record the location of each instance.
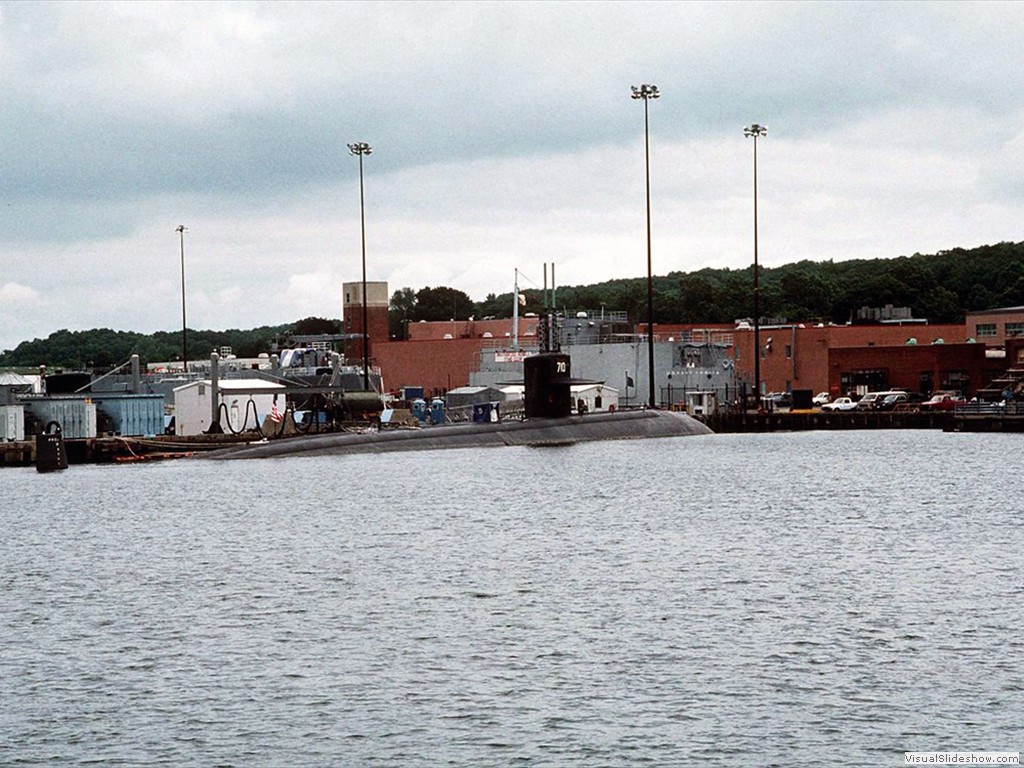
(783, 599)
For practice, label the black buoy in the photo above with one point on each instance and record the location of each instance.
(50, 453)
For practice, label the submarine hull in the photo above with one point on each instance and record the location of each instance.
(621, 425)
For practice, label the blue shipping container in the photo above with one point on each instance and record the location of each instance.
(132, 415)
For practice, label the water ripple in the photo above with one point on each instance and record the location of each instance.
(783, 596)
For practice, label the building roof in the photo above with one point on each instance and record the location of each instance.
(996, 311)
(10, 379)
(578, 389)
(471, 390)
(229, 384)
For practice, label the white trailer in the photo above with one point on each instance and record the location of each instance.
(239, 411)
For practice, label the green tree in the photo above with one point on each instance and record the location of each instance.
(978, 297)
(400, 310)
(805, 295)
(940, 305)
(494, 306)
(441, 304)
(315, 326)
(735, 297)
(1013, 295)
(697, 299)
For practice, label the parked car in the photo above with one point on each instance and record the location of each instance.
(943, 401)
(777, 400)
(892, 401)
(869, 401)
(840, 404)
(821, 398)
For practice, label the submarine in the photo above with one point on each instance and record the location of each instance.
(548, 422)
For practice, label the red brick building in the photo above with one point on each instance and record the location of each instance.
(377, 302)
(962, 368)
(437, 365)
(835, 358)
(797, 356)
(474, 329)
(440, 355)
(995, 326)
(819, 358)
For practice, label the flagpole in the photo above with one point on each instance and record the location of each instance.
(515, 313)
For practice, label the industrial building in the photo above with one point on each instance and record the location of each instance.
(884, 345)
(994, 326)
(377, 302)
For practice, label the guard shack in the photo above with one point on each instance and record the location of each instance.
(702, 403)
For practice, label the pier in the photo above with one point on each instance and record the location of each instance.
(111, 450)
(971, 417)
(800, 421)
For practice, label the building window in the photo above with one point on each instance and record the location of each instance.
(985, 330)
(864, 380)
(954, 381)
(927, 382)
(789, 351)
(1014, 329)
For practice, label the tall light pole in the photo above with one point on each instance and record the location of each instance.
(181, 230)
(648, 92)
(755, 131)
(359, 149)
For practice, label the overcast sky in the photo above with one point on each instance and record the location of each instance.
(503, 137)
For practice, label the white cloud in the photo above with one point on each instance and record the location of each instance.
(19, 295)
(313, 294)
(178, 60)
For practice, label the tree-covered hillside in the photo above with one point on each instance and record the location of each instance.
(102, 348)
(940, 287)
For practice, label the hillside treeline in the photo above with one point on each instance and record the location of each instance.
(941, 287)
(101, 349)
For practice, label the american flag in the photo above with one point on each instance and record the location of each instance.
(275, 415)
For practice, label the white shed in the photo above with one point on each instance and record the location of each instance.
(513, 392)
(702, 403)
(239, 411)
(12, 422)
(596, 397)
